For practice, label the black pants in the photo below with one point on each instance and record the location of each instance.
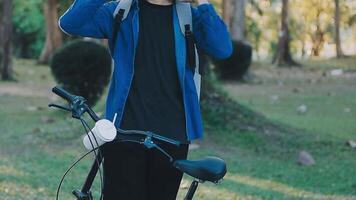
(132, 172)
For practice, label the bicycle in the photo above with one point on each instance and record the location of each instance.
(208, 169)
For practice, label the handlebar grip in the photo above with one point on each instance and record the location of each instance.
(167, 140)
(63, 93)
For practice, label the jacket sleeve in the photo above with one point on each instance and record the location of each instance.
(87, 18)
(211, 34)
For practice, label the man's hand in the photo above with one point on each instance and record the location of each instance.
(200, 2)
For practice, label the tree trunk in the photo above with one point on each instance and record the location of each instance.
(227, 9)
(283, 56)
(53, 34)
(317, 41)
(6, 32)
(339, 52)
(303, 49)
(238, 26)
(318, 36)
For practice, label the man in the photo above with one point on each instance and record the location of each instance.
(152, 87)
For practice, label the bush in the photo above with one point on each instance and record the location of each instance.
(235, 67)
(83, 68)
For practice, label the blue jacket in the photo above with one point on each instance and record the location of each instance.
(94, 18)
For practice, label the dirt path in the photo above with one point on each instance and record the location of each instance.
(14, 89)
(33, 80)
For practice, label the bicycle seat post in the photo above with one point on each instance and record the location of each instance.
(193, 187)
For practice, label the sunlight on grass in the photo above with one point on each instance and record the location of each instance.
(10, 171)
(213, 192)
(220, 194)
(285, 189)
(9, 190)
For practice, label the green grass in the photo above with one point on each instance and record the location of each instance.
(345, 63)
(261, 162)
(323, 130)
(331, 101)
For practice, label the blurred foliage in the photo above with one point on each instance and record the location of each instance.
(29, 30)
(306, 17)
(262, 28)
(235, 67)
(30, 26)
(254, 33)
(83, 68)
(318, 14)
(262, 24)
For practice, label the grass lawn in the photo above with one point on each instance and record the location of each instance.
(38, 144)
(330, 100)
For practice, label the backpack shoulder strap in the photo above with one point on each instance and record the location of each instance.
(185, 17)
(120, 13)
(124, 5)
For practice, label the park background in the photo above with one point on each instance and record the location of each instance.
(285, 122)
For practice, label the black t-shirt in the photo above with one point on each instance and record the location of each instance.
(155, 101)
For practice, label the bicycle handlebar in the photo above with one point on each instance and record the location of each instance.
(64, 94)
(78, 107)
(145, 134)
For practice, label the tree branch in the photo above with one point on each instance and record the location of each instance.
(256, 6)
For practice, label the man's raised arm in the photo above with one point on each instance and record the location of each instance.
(210, 31)
(87, 18)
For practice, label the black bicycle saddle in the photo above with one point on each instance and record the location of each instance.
(211, 169)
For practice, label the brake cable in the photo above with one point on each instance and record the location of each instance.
(70, 168)
(87, 130)
(86, 127)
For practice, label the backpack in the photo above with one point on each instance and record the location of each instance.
(186, 25)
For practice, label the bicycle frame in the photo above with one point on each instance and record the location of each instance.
(85, 193)
(78, 107)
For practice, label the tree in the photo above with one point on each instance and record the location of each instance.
(235, 67)
(254, 35)
(234, 14)
(6, 32)
(339, 52)
(227, 9)
(29, 33)
(53, 34)
(318, 37)
(234, 17)
(283, 56)
(238, 21)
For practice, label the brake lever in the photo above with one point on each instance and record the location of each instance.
(67, 108)
(150, 145)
